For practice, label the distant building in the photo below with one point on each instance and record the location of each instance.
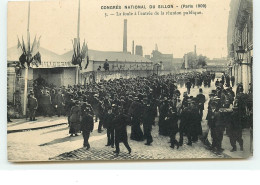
(217, 62)
(139, 50)
(147, 56)
(166, 59)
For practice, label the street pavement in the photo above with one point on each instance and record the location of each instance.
(55, 144)
(21, 125)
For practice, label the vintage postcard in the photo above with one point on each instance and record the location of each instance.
(101, 80)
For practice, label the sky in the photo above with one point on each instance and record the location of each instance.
(56, 22)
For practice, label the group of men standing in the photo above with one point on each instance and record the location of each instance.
(136, 102)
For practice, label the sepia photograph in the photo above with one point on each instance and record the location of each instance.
(129, 80)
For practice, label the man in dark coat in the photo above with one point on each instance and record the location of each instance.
(217, 127)
(201, 100)
(59, 102)
(184, 125)
(120, 123)
(148, 120)
(235, 130)
(109, 125)
(173, 127)
(46, 103)
(188, 86)
(32, 106)
(136, 111)
(87, 124)
(164, 108)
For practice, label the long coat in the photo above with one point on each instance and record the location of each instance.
(120, 123)
(87, 123)
(74, 119)
(75, 113)
(32, 103)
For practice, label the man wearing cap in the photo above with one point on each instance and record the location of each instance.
(32, 106)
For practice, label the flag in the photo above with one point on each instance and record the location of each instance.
(38, 44)
(34, 47)
(23, 46)
(84, 50)
(19, 47)
(87, 63)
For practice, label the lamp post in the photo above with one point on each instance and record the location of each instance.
(230, 68)
(240, 55)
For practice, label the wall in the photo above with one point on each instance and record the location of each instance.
(69, 76)
(57, 76)
(119, 65)
(10, 84)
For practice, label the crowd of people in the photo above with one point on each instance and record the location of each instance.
(137, 102)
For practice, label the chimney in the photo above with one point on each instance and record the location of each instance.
(125, 36)
(195, 50)
(133, 48)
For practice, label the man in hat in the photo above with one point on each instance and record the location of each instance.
(148, 120)
(201, 100)
(185, 123)
(59, 102)
(120, 123)
(188, 86)
(136, 111)
(163, 109)
(87, 125)
(46, 103)
(235, 130)
(74, 118)
(32, 106)
(217, 127)
(173, 126)
(109, 125)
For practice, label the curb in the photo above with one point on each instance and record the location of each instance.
(31, 129)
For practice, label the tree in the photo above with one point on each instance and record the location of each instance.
(195, 62)
(202, 61)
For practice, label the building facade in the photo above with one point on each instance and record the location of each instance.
(240, 42)
(139, 50)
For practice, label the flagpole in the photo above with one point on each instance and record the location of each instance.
(78, 42)
(26, 69)
(78, 23)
